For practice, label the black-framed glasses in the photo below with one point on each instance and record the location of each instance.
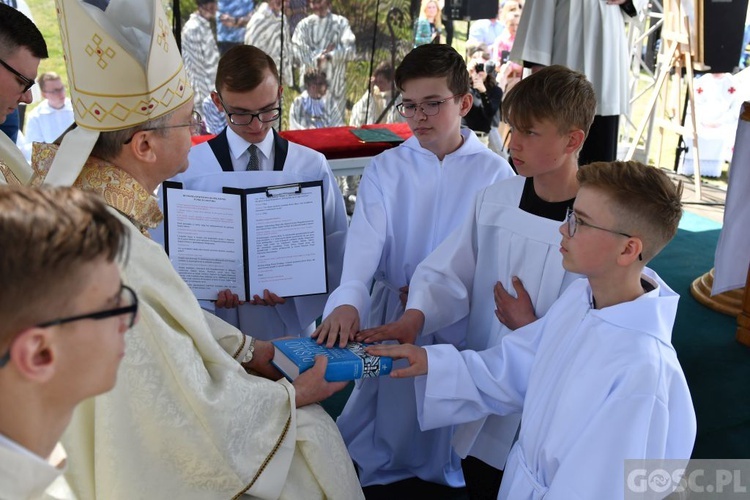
(26, 82)
(428, 108)
(574, 221)
(246, 118)
(196, 126)
(127, 304)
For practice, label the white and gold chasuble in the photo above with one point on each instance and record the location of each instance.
(184, 419)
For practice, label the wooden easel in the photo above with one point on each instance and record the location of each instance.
(675, 54)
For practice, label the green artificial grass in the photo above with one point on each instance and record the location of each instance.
(716, 366)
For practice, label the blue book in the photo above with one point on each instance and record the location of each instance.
(294, 356)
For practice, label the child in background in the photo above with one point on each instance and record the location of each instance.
(310, 109)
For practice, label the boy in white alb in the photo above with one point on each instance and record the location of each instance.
(597, 378)
(510, 237)
(66, 344)
(249, 92)
(410, 199)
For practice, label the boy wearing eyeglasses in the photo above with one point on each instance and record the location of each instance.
(22, 46)
(410, 199)
(249, 92)
(66, 344)
(508, 244)
(597, 378)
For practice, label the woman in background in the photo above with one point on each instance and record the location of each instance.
(429, 25)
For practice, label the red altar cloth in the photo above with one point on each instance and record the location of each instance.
(337, 142)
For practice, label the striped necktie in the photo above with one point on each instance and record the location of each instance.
(254, 162)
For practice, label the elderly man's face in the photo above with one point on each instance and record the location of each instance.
(12, 85)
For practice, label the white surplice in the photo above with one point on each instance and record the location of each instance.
(408, 202)
(596, 387)
(23, 475)
(184, 419)
(296, 316)
(496, 242)
(584, 35)
(732, 256)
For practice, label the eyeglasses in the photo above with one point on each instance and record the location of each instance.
(60, 90)
(574, 221)
(127, 304)
(26, 82)
(266, 116)
(428, 108)
(196, 126)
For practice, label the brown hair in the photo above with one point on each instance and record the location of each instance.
(49, 76)
(434, 61)
(645, 202)
(553, 93)
(241, 68)
(314, 76)
(49, 235)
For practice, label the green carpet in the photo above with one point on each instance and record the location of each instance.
(717, 367)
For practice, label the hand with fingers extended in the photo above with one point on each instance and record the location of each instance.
(227, 300)
(268, 299)
(405, 330)
(312, 387)
(341, 324)
(511, 311)
(415, 355)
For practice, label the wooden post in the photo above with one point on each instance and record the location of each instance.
(743, 320)
(676, 54)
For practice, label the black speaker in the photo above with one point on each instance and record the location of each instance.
(723, 30)
(470, 10)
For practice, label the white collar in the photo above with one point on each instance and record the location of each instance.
(238, 145)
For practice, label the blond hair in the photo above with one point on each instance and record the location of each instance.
(555, 93)
(645, 202)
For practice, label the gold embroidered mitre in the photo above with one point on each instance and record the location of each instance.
(124, 68)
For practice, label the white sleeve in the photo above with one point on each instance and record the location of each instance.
(364, 246)
(468, 385)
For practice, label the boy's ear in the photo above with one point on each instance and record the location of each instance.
(465, 104)
(33, 354)
(217, 102)
(575, 142)
(632, 252)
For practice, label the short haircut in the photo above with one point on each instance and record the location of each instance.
(201, 3)
(555, 93)
(49, 76)
(434, 61)
(646, 203)
(314, 76)
(17, 30)
(241, 68)
(54, 232)
(385, 70)
(110, 143)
